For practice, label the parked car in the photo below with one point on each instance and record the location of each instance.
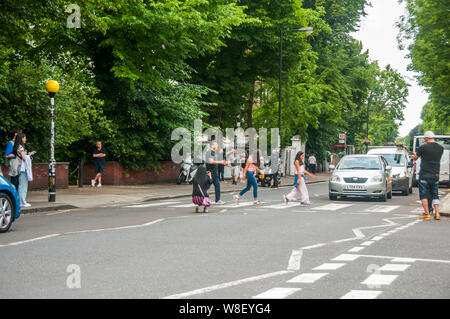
(9, 205)
(398, 158)
(361, 175)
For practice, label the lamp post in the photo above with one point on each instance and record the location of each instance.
(52, 88)
(307, 30)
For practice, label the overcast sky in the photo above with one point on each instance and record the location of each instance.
(378, 34)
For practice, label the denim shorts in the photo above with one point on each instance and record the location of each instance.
(429, 187)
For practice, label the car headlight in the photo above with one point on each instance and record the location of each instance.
(377, 179)
(335, 178)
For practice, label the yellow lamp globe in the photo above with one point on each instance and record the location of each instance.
(52, 86)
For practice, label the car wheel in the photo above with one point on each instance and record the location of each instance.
(6, 213)
(180, 179)
(332, 197)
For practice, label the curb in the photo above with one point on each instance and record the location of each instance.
(26, 211)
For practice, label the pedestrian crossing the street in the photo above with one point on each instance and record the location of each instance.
(317, 207)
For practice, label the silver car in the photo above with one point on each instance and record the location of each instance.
(361, 175)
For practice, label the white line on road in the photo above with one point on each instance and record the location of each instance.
(330, 266)
(362, 294)
(331, 207)
(226, 285)
(355, 249)
(307, 278)
(407, 259)
(295, 260)
(378, 280)
(381, 209)
(394, 267)
(313, 246)
(151, 205)
(30, 240)
(277, 293)
(367, 243)
(346, 257)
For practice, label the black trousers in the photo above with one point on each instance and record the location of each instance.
(15, 181)
(221, 171)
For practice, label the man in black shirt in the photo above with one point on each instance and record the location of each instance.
(99, 153)
(211, 166)
(430, 155)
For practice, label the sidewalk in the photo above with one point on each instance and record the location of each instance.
(92, 197)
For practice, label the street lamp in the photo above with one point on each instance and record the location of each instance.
(307, 30)
(52, 88)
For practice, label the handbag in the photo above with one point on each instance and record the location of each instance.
(206, 201)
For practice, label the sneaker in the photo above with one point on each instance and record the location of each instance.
(99, 185)
(220, 202)
(285, 199)
(92, 183)
(425, 216)
(26, 205)
(236, 199)
(437, 216)
(256, 202)
(304, 204)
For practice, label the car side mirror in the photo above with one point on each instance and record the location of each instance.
(332, 167)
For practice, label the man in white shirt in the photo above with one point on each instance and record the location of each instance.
(312, 163)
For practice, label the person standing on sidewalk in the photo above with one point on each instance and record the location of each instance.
(299, 181)
(430, 154)
(252, 165)
(275, 166)
(11, 160)
(211, 166)
(201, 182)
(24, 167)
(99, 153)
(312, 163)
(221, 167)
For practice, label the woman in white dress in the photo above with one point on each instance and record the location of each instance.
(299, 181)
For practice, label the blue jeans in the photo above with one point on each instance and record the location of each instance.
(23, 187)
(216, 182)
(429, 187)
(251, 181)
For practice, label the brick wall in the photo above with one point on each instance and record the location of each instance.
(40, 176)
(115, 174)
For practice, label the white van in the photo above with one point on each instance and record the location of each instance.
(402, 173)
(444, 174)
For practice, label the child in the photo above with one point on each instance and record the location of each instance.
(299, 181)
(201, 182)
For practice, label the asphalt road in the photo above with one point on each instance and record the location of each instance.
(330, 249)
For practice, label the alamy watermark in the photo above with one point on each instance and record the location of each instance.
(73, 281)
(247, 142)
(73, 20)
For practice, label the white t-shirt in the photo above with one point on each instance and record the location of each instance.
(312, 160)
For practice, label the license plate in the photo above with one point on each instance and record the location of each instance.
(355, 187)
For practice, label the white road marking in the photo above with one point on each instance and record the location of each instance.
(313, 246)
(295, 260)
(30, 240)
(330, 266)
(381, 208)
(376, 238)
(407, 259)
(307, 278)
(394, 267)
(226, 285)
(403, 260)
(241, 204)
(355, 249)
(367, 243)
(283, 206)
(332, 207)
(151, 205)
(346, 257)
(277, 293)
(362, 294)
(378, 280)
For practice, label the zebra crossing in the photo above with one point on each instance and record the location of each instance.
(357, 208)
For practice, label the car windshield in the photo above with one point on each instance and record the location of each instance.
(395, 160)
(360, 162)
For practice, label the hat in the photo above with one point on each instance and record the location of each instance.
(429, 134)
